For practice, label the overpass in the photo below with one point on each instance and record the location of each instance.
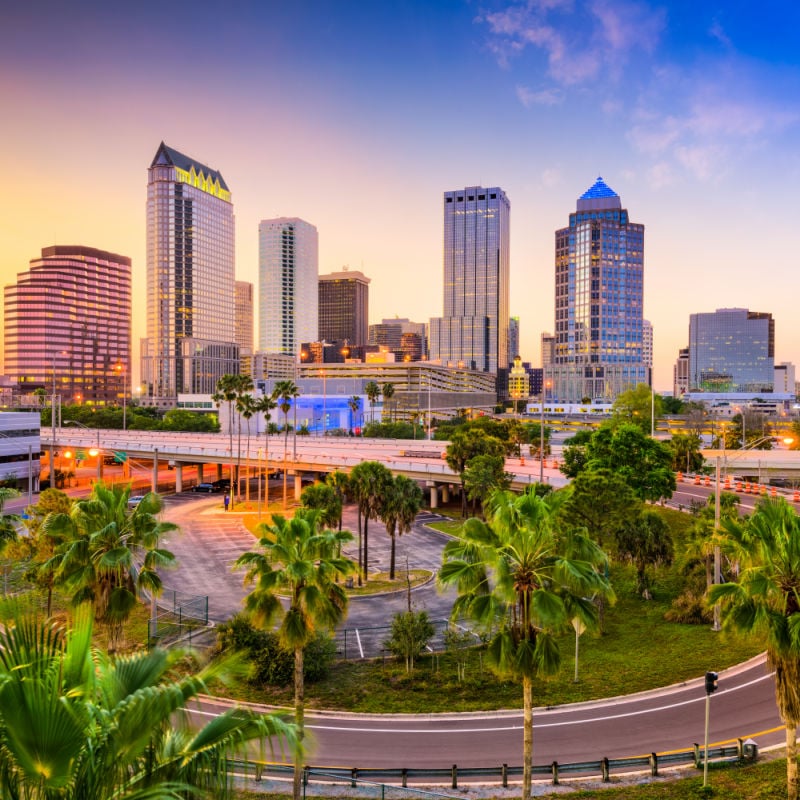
(763, 464)
(420, 460)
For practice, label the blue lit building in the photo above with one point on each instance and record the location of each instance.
(732, 350)
(599, 264)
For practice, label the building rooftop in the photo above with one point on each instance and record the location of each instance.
(167, 156)
(598, 189)
(599, 196)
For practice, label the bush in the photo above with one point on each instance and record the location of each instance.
(411, 632)
(270, 663)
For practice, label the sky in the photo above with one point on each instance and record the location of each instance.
(357, 116)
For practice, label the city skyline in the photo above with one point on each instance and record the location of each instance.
(355, 118)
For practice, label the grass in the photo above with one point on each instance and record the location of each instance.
(379, 582)
(762, 781)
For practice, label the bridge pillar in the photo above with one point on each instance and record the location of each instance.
(445, 493)
(219, 472)
(178, 476)
(99, 467)
(298, 485)
(154, 481)
(434, 496)
(200, 473)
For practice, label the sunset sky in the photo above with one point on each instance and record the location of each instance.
(357, 116)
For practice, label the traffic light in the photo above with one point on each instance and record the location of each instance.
(711, 682)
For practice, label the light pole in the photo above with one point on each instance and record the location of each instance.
(541, 429)
(97, 451)
(324, 403)
(124, 370)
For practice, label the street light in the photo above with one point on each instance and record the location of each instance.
(121, 368)
(545, 385)
(94, 451)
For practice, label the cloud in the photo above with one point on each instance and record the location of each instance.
(544, 97)
(551, 177)
(716, 31)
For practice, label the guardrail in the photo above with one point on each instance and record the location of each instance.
(743, 750)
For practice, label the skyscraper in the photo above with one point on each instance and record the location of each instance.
(731, 350)
(473, 330)
(244, 317)
(599, 265)
(288, 299)
(68, 325)
(344, 307)
(513, 339)
(190, 279)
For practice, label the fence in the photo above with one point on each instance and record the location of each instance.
(601, 769)
(177, 613)
(369, 642)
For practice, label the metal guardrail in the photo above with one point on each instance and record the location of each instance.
(602, 769)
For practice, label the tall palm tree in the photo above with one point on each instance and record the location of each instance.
(285, 393)
(246, 406)
(265, 405)
(400, 510)
(299, 560)
(225, 392)
(340, 481)
(387, 390)
(242, 386)
(370, 487)
(110, 553)
(323, 497)
(8, 522)
(523, 582)
(766, 599)
(75, 723)
(355, 406)
(372, 391)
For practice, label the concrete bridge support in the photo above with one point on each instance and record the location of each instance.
(445, 493)
(298, 485)
(154, 479)
(200, 473)
(434, 496)
(178, 476)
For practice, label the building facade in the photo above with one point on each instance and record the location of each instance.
(68, 325)
(473, 330)
(599, 292)
(680, 373)
(243, 328)
(513, 339)
(190, 340)
(288, 297)
(731, 350)
(343, 307)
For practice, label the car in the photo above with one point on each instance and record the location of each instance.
(134, 500)
(222, 485)
(205, 488)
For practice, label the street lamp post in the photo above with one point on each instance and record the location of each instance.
(97, 451)
(541, 430)
(124, 370)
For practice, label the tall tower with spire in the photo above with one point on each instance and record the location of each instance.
(599, 262)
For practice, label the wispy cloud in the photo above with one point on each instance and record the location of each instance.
(544, 97)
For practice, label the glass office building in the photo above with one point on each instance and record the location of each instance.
(731, 350)
(344, 307)
(68, 325)
(190, 279)
(473, 330)
(288, 297)
(599, 265)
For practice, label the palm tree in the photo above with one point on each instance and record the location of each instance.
(8, 522)
(465, 444)
(523, 582)
(242, 386)
(285, 393)
(372, 391)
(355, 406)
(340, 482)
(297, 560)
(387, 390)
(325, 498)
(226, 393)
(110, 553)
(766, 600)
(246, 406)
(400, 510)
(370, 486)
(264, 405)
(76, 723)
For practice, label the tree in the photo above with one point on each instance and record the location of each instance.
(298, 560)
(601, 502)
(400, 510)
(225, 392)
(246, 408)
(644, 463)
(483, 475)
(110, 553)
(466, 443)
(8, 522)
(574, 457)
(75, 723)
(326, 500)
(285, 393)
(340, 482)
(372, 391)
(410, 633)
(354, 403)
(636, 406)
(265, 405)
(387, 390)
(686, 454)
(523, 581)
(534, 438)
(370, 484)
(765, 601)
(645, 542)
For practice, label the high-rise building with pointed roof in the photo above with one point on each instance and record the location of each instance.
(190, 279)
(599, 264)
(473, 331)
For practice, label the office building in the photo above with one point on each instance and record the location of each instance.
(20, 449)
(343, 307)
(68, 326)
(513, 339)
(473, 330)
(785, 378)
(680, 373)
(288, 297)
(731, 350)
(190, 340)
(599, 271)
(243, 324)
(548, 346)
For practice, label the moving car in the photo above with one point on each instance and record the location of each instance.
(206, 488)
